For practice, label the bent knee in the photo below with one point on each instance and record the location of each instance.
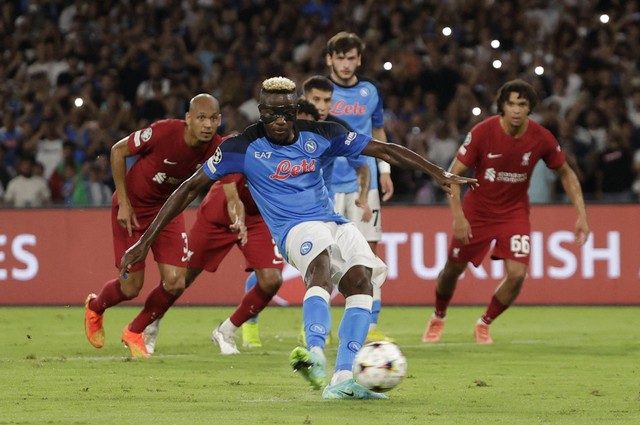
(356, 281)
(175, 286)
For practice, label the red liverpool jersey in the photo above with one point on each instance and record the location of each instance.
(214, 205)
(503, 166)
(164, 161)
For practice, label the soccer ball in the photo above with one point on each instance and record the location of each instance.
(379, 366)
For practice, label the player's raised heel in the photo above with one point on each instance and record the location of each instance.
(226, 342)
(351, 390)
(135, 343)
(93, 324)
(150, 334)
(251, 335)
(311, 366)
(482, 335)
(434, 330)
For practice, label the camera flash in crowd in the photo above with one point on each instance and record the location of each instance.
(539, 70)
(476, 111)
(387, 66)
(446, 31)
(495, 44)
(78, 102)
(604, 18)
(497, 64)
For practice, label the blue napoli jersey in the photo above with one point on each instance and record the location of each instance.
(286, 181)
(360, 106)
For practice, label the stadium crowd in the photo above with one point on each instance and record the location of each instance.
(76, 76)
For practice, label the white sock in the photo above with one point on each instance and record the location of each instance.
(227, 327)
(341, 376)
(318, 351)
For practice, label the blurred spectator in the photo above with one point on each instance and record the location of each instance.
(99, 193)
(99, 70)
(6, 173)
(155, 87)
(26, 189)
(73, 187)
(249, 108)
(50, 148)
(615, 169)
(10, 139)
(542, 184)
(589, 140)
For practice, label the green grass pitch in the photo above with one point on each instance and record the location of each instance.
(548, 365)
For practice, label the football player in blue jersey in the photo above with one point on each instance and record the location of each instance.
(280, 158)
(358, 101)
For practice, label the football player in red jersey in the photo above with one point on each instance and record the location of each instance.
(228, 216)
(503, 149)
(168, 152)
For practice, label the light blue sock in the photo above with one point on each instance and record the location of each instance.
(375, 311)
(251, 281)
(353, 330)
(316, 316)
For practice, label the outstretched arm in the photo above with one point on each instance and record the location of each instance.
(461, 226)
(235, 209)
(177, 202)
(364, 181)
(126, 215)
(405, 158)
(572, 187)
(386, 184)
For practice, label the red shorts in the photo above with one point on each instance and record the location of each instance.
(170, 247)
(210, 243)
(512, 241)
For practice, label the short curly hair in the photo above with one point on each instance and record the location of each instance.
(278, 85)
(524, 90)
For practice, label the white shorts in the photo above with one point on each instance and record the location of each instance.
(345, 204)
(345, 244)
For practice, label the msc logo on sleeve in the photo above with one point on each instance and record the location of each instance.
(350, 138)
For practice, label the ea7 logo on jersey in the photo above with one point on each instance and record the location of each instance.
(142, 136)
(262, 155)
(350, 138)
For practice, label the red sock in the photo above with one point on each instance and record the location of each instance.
(110, 295)
(442, 303)
(252, 303)
(156, 305)
(494, 310)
